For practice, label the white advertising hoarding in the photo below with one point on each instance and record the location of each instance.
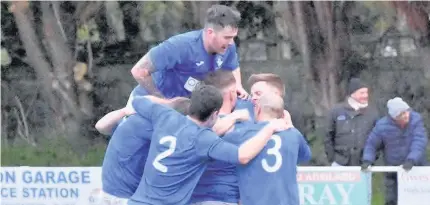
(50, 185)
(317, 185)
(414, 186)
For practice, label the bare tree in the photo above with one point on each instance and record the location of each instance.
(27, 32)
(319, 32)
(67, 97)
(418, 20)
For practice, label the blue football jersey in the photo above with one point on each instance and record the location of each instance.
(125, 156)
(270, 178)
(181, 62)
(218, 183)
(178, 155)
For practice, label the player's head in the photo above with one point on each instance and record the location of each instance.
(265, 83)
(221, 26)
(269, 106)
(180, 104)
(206, 100)
(226, 83)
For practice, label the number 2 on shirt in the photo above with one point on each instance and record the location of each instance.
(172, 145)
(275, 152)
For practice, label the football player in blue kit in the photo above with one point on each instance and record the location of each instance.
(126, 154)
(181, 147)
(174, 67)
(218, 184)
(128, 149)
(270, 178)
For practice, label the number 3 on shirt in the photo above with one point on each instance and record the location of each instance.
(275, 152)
(172, 145)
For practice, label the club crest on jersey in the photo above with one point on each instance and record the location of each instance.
(219, 62)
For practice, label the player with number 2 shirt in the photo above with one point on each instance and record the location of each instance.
(127, 151)
(270, 178)
(181, 146)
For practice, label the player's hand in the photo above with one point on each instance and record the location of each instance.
(287, 119)
(241, 93)
(138, 73)
(278, 125)
(241, 115)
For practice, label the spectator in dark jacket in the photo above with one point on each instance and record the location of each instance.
(349, 124)
(403, 139)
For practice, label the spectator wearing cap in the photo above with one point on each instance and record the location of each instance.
(349, 124)
(403, 140)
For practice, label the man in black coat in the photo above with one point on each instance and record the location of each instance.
(348, 125)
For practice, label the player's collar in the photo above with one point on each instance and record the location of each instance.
(194, 120)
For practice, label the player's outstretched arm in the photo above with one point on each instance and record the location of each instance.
(142, 73)
(158, 100)
(232, 63)
(150, 109)
(210, 145)
(226, 123)
(250, 148)
(108, 122)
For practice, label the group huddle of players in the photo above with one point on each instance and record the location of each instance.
(191, 134)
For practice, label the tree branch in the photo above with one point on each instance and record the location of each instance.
(286, 22)
(55, 7)
(321, 18)
(86, 10)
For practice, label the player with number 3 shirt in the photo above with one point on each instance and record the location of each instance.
(270, 178)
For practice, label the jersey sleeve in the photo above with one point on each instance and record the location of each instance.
(305, 153)
(148, 109)
(211, 146)
(119, 123)
(167, 54)
(239, 133)
(232, 60)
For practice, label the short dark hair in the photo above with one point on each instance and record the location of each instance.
(222, 16)
(181, 105)
(220, 79)
(205, 99)
(270, 78)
